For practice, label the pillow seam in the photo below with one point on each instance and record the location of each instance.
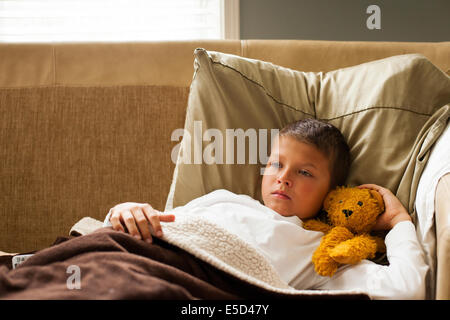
(374, 108)
(261, 86)
(312, 115)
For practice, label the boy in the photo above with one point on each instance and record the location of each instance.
(309, 159)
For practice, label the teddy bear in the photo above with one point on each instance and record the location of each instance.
(347, 218)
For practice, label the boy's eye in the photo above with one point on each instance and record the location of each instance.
(275, 164)
(305, 173)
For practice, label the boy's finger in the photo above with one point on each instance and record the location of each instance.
(128, 218)
(142, 224)
(369, 186)
(115, 222)
(153, 218)
(382, 191)
(167, 217)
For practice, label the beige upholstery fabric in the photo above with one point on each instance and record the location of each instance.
(390, 111)
(71, 152)
(103, 64)
(170, 63)
(313, 55)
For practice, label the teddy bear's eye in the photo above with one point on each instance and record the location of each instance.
(340, 201)
(360, 203)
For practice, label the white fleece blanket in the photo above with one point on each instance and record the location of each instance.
(209, 228)
(224, 250)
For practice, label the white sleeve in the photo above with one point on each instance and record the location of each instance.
(107, 223)
(403, 278)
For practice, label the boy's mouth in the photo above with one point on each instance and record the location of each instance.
(280, 195)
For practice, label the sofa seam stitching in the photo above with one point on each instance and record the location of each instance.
(54, 64)
(44, 86)
(244, 48)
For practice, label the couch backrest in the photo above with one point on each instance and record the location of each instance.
(86, 126)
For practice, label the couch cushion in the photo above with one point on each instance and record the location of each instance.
(389, 111)
(71, 152)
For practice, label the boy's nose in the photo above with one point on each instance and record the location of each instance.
(283, 180)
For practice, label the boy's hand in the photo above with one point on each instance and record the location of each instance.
(394, 211)
(137, 219)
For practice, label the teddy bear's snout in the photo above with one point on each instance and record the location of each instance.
(347, 213)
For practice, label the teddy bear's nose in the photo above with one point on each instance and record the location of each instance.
(347, 213)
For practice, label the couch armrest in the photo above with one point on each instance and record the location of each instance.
(443, 238)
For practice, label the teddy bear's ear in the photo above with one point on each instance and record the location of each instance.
(378, 198)
(329, 199)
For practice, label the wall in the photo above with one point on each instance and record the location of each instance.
(401, 20)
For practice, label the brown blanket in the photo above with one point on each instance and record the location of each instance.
(114, 265)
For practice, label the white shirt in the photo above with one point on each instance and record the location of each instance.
(289, 248)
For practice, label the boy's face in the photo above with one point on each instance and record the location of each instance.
(296, 179)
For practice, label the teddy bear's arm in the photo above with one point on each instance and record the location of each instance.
(381, 246)
(316, 225)
(323, 263)
(354, 250)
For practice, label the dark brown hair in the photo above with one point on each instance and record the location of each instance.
(328, 140)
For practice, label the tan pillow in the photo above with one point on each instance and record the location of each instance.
(389, 110)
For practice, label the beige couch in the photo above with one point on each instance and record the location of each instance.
(87, 126)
